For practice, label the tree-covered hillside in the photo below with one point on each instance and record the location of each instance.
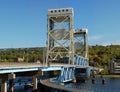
(99, 56)
(29, 54)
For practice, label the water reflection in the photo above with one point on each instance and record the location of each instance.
(111, 85)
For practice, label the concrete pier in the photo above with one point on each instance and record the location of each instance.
(5, 78)
(35, 83)
(11, 86)
(4, 86)
(11, 77)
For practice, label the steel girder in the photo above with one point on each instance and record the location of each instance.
(81, 42)
(67, 74)
(60, 35)
(79, 60)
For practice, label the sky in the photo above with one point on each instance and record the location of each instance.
(23, 23)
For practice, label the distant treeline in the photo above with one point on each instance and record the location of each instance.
(99, 55)
(104, 54)
(29, 54)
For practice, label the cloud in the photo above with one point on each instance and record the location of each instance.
(113, 42)
(94, 38)
(103, 40)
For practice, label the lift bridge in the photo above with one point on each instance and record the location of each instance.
(66, 44)
(66, 47)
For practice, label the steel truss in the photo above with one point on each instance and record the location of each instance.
(63, 42)
(60, 35)
(67, 74)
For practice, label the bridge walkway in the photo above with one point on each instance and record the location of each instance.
(17, 65)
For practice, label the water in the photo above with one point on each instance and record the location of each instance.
(111, 85)
(20, 82)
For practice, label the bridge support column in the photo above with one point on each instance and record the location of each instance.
(4, 86)
(6, 77)
(11, 86)
(88, 72)
(34, 83)
(38, 73)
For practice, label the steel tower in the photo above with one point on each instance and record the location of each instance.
(63, 42)
(60, 45)
(81, 42)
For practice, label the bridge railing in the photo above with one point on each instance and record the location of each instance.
(14, 64)
(79, 60)
(66, 74)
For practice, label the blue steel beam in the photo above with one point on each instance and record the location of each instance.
(26, 69)
(67, 74)
(20, 69)
(80, 60)
(51, 68)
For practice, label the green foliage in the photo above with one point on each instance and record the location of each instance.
(29, 54)
(101, 56)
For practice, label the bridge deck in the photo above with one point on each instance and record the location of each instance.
(24, 67)
(14, 65)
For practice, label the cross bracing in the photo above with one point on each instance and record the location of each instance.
(64, 42)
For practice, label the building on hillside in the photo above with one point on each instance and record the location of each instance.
(114, 67)
(18, 59)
